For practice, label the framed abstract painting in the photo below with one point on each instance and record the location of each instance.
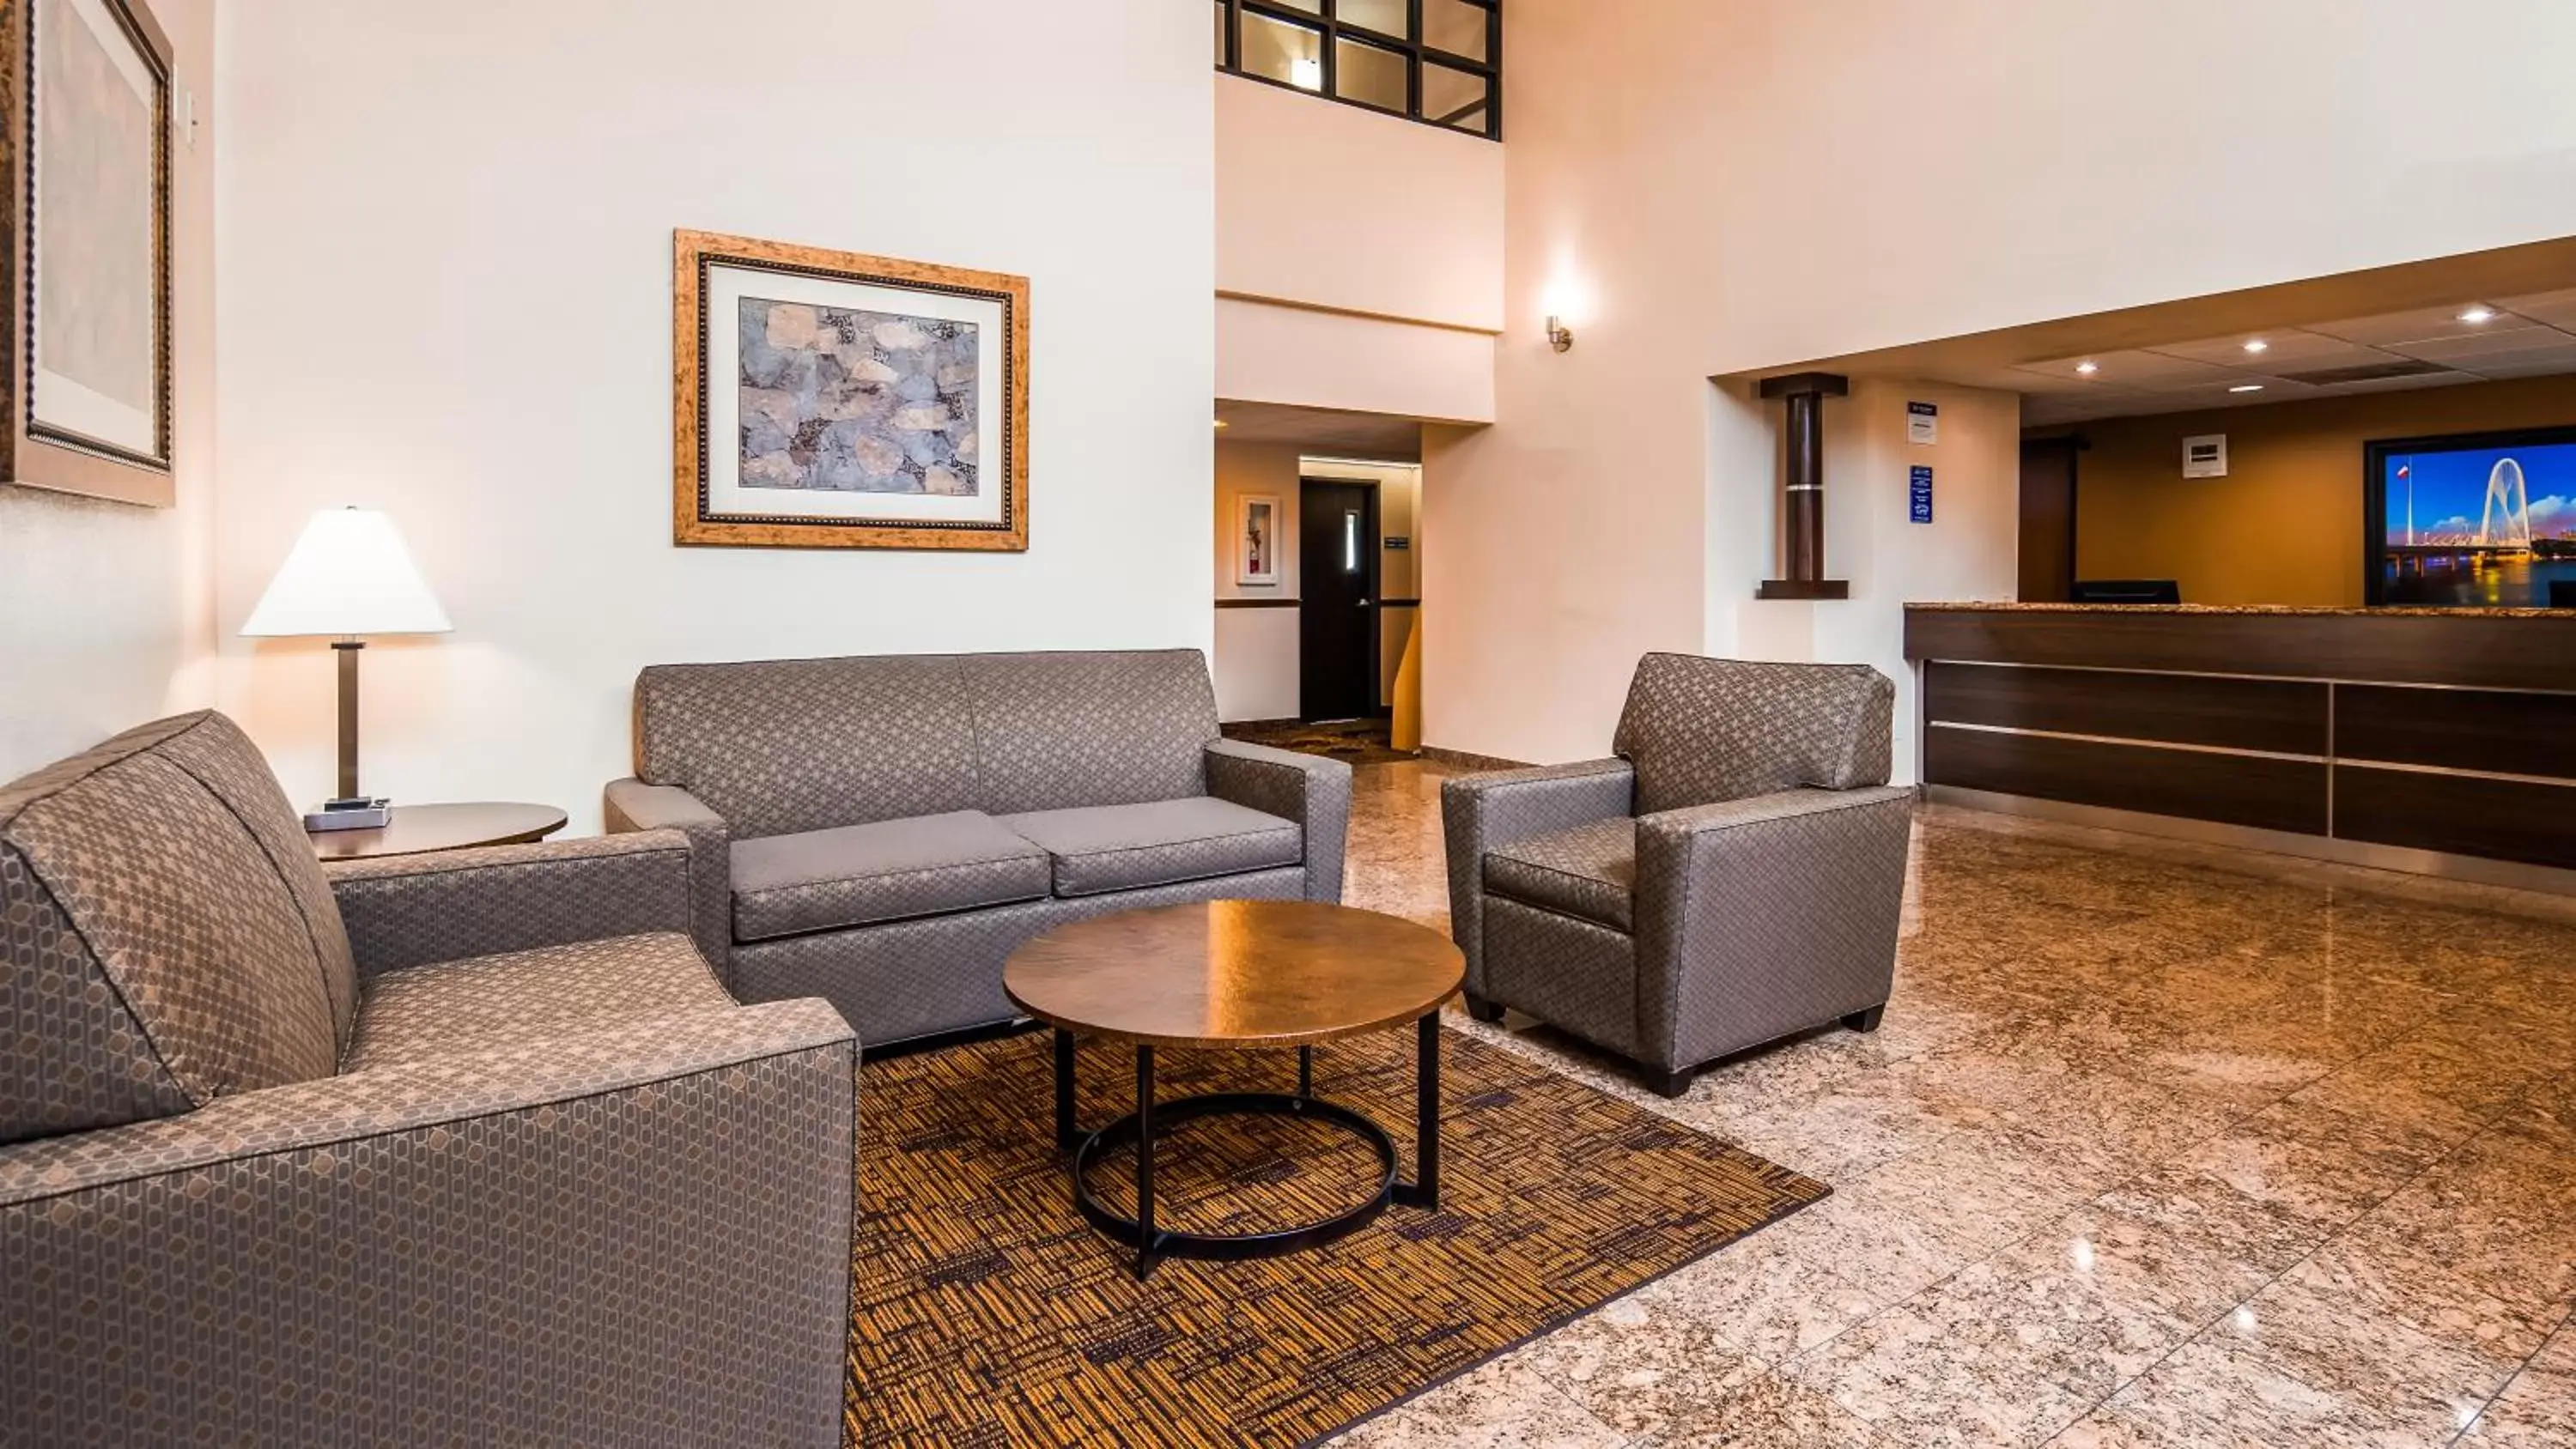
(85, 159)
(826, 399)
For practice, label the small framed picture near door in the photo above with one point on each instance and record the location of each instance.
(86, 165)
(1256, 538)
(827, 399)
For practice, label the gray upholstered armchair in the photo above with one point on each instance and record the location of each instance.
(1732, 876)
(456, 1149)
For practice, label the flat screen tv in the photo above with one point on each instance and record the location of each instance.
(2471, 520)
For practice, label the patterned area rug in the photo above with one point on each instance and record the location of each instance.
(987, 1313)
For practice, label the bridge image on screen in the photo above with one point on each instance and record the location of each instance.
(2506, 494)
(2480, 527)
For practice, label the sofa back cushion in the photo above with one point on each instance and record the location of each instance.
(779, 747)
(782, 746)
(1700, 731)
(1056, 731)
(166, 935)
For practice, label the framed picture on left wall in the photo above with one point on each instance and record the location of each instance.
(828, 399)
(1256, 538)
(85, 160)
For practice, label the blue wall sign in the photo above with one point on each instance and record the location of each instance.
(1918, 495)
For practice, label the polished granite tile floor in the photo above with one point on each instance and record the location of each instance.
(2160, 1145)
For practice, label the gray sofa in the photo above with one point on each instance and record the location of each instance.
(1734, 874)
(466, 1148)
(882, 831)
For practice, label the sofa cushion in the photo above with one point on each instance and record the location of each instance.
(1589, 872)
(1100, 848)
(166, 936)
(486, 1003)
(1701, 731)
(787, 745)
(1056, 731)
(887, 871)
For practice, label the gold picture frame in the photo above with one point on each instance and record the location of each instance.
(854, 396)
(85, 89)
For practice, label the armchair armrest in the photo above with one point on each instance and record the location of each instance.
(631, 804)
(1768, 915)
(1481, 812)
(509, 1247)
(407, 910)
(1309, 789)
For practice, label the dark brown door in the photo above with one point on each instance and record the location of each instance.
(2048, 519)
(1337, 594)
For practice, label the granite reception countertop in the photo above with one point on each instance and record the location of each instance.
(2291, 610)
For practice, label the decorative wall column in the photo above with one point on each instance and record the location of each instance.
(1803, 500)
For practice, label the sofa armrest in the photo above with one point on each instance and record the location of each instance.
(1759, 917)
(1479, 813)
(516, 1247)
(1309, 789)
(631, 804)
(409, 910)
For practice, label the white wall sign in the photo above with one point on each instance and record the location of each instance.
(2205, 456)
(1922, 422)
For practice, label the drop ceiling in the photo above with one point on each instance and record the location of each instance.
(2523, 336)
(2378, 329)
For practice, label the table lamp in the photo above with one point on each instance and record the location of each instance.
(347, 575)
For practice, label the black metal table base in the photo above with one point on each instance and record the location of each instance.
(1153, 1243)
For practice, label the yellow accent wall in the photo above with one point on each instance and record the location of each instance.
(2284, 525)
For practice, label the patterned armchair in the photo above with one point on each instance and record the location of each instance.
(1732, 876)
(455, 1149)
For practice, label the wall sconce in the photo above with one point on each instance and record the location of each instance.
(1559, 336)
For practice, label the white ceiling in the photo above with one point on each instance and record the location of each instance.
(1381, 436)
(2431, 347)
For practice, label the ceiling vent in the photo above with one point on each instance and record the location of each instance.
(2366, 372)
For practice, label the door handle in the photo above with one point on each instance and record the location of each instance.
(1363, 604)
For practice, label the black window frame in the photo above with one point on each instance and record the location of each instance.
(1410, 46)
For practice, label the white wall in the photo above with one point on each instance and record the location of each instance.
(1730, 186)
(1967, 551)
(446, 288)
(1304, 358)
(1256, 649)
(1333, 206)
(1360, 257)
(105, 608)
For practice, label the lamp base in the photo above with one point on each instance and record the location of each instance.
(348, 649)
(356, 813)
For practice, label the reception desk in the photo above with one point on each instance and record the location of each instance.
(2441, 741)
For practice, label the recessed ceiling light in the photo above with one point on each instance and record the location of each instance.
(2087, 369)
(2257, 344)
(2247, 387)
(2478, 314)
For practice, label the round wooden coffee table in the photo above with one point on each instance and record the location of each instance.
(419, 829)
(1238, 976)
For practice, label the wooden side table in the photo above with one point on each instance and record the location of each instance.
(416, 829)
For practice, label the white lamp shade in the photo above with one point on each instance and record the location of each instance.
(347, 574)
